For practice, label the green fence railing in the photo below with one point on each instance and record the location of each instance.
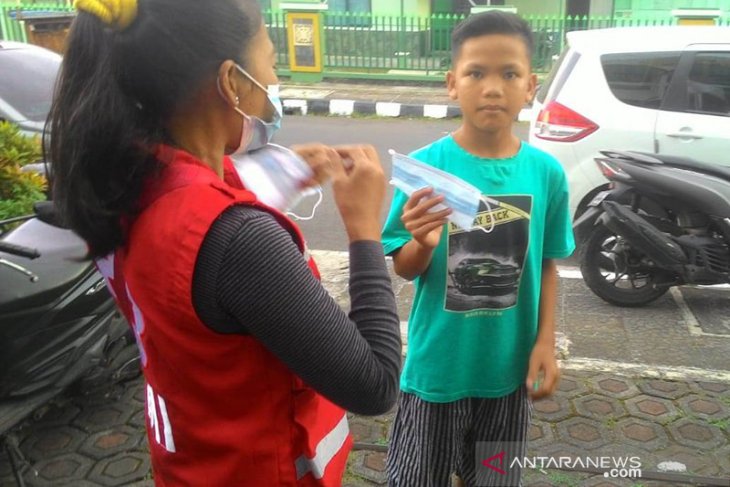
(361, 42)
(387, 45)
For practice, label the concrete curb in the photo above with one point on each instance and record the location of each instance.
(348, 108)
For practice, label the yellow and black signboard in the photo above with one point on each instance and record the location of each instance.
(305, 41)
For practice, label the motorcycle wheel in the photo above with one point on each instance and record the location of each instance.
(605, 266)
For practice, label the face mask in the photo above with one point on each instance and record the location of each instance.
(410, 175)
(278, 178)
(256, 133)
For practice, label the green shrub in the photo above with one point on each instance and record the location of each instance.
(18, 189)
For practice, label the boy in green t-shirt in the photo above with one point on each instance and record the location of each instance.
(481, 338)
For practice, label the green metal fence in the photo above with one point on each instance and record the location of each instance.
(361, 43)
(364, 43)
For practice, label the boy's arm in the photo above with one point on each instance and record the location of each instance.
(412, 260)
(558, 243)
(542, 358)
(425, 228)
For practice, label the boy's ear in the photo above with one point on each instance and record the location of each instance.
(451, 85)
(532, 88)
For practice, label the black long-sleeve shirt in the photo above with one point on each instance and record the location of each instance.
(250, 278)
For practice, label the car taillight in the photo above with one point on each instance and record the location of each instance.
(559, 123)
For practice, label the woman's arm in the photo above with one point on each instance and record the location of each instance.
(251, 278)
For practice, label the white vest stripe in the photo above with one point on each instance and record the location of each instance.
(326, 451)
(152, 413)
(166, 428)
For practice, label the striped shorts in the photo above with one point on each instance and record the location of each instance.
(432, 441)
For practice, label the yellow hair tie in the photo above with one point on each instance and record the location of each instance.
(115, 13)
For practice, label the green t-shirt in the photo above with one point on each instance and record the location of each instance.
(475, 313)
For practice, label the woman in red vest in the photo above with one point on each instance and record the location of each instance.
(249, 364)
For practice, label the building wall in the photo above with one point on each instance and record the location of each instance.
(538, 7)
(600, 8)
(661, 9)
(419, 8)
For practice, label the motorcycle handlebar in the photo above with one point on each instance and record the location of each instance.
(19, 250)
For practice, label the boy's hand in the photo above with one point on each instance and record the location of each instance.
(542, 359)
(425, 227)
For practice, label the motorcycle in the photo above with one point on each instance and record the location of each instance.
(665, 221)
(59, 325)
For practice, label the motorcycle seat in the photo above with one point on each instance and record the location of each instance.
(722, 172)
(60, 267)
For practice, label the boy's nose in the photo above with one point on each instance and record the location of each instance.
(492, 88)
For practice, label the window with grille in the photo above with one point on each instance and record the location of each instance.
(348, 13)
(348, 5)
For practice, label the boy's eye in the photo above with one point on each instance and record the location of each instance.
(510, 75)
(476, 74)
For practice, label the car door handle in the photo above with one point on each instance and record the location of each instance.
(684, 135)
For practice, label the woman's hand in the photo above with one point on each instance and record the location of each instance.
(359, 187)
(321, 158)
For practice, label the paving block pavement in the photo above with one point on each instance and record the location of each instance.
(99, 440)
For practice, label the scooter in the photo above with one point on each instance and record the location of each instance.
(59, 326)
(665, 221)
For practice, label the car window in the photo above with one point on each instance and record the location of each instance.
(708, 84)
(28, 77)
(640, 79)
(568, 58)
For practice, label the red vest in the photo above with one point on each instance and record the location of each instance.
(221, 409)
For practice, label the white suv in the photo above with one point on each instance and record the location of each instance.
(663, 90)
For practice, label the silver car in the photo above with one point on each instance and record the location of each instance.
(26, 85)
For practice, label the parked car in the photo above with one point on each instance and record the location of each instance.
(661, 90)
(26, 86)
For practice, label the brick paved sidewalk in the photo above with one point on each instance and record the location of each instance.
(99, 439)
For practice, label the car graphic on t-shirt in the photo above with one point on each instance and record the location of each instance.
(485, 276)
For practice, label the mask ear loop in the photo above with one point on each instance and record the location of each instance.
(314, 209)
(489, 212)
(220, 92)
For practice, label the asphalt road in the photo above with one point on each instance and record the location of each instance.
(325, 231)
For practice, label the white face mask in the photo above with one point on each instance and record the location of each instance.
(410, 175)
(278, 177)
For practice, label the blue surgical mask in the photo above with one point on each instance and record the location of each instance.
(410, 175)
(256, 133)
